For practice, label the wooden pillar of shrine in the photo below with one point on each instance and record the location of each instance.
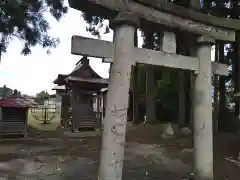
(58, 107)
(75, 109)
(182, 49)
(104, 102)
(113, 141)
(135, 92)
(203, 131)
(98, 109)
(192, 52)
(65, 110)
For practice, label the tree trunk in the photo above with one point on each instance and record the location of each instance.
(216, 93)
(194, 4)
(150, 95)
(181, 100)
(65, 110)
(98, 100)
(181, 49)
(236, 73)
(135, 103)
(135, 95)
(222, 91)
(150, 81)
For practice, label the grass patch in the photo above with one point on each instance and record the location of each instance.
(35, 120)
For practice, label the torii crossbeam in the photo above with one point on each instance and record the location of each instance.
(104, 49)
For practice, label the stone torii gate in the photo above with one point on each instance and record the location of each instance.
(123, 54)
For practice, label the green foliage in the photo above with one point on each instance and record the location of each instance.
(227, 119)
(167, 96)
(5, 91)
(25, 21)
(40, 97)
(95, 23)
(16, 92)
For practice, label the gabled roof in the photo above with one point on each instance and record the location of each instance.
(82, 70)
(60, 80)
(17, 102)
(82, 74)
(82, 65)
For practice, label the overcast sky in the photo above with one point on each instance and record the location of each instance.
(36, 72)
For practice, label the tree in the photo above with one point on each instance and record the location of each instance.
(5, 91)
(25, 21)
(40, 97)
(16, 92)
(229, 54)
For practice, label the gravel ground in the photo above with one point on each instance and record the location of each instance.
(66, 156)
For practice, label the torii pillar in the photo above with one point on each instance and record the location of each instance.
(113, 139)
(202, 112)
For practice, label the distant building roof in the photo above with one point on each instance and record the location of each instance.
(17, 102)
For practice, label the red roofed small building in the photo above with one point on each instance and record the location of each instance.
(14, 114)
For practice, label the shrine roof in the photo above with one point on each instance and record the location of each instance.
(82, 70)
(16, 102)
(83, 65)
(60, 80)
(88, 80)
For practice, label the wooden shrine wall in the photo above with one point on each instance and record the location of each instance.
(13, 121)
(82, 110)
